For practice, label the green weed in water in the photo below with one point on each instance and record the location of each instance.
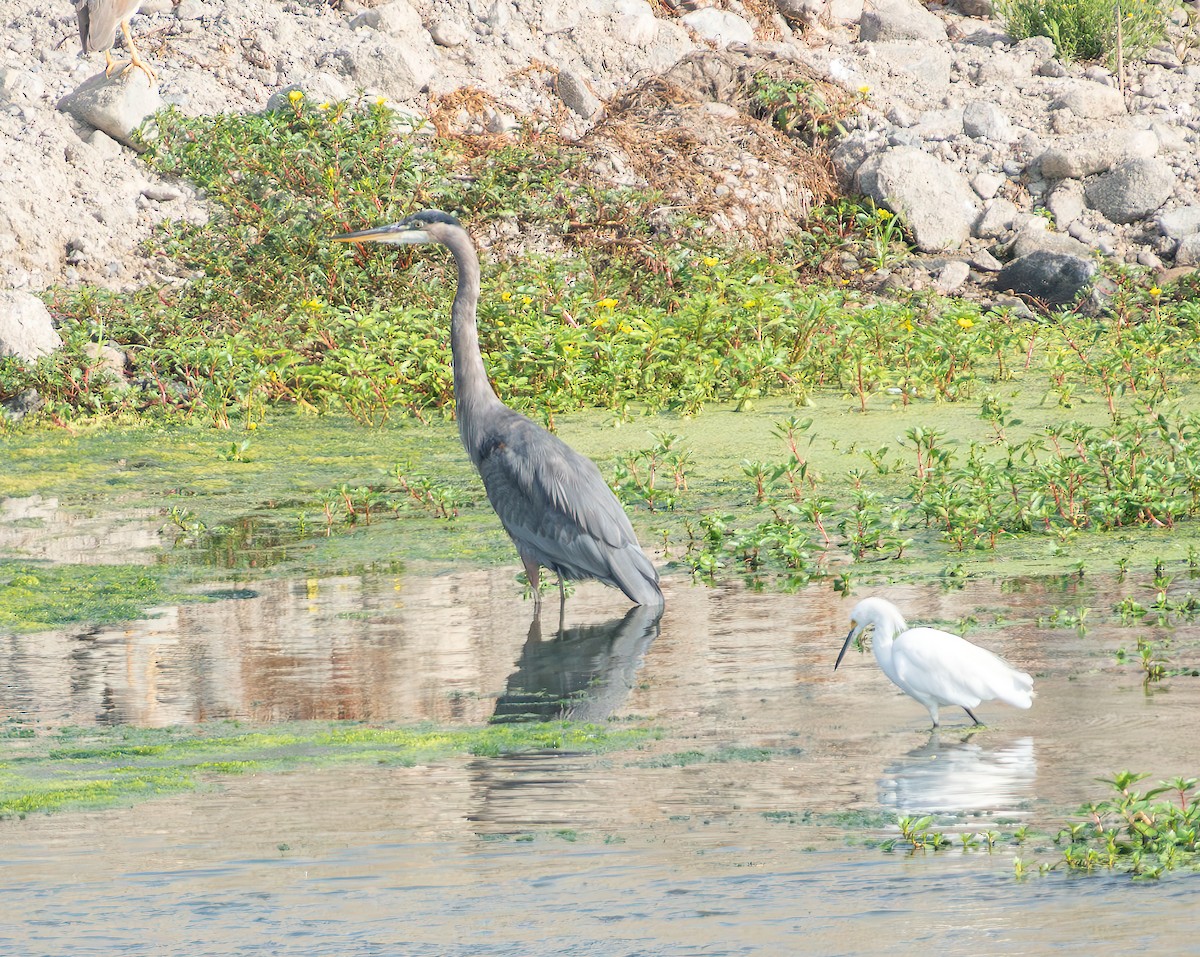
(94, 768)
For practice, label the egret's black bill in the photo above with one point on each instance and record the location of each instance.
(842, 653)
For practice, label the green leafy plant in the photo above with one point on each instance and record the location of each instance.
(1088, 29)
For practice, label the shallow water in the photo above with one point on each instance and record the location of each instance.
(626, 853)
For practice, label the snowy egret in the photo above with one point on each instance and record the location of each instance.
(935, 667)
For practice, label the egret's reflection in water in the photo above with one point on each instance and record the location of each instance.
(961, 775)
(582, 673)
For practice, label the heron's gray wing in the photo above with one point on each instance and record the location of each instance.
(98, 21)
(557, 508)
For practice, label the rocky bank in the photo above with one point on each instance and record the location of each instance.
(996, 153)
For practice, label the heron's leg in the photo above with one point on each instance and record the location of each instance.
(108, 63)
(134, 59)
(562, 596)
(971, 715)
(534, 573)
(933, 713)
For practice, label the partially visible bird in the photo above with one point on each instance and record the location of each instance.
(98, 21)
(552, 501)
(935, 667)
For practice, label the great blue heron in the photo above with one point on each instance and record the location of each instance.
(935, 667)
(551, 500)
(98, 20)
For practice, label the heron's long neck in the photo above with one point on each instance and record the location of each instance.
(472, 391)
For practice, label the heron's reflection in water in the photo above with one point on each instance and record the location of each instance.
(580, 674)
(961, 775)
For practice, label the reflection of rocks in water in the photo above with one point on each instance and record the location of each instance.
(964, 776)
(582, 673)
(37, 527)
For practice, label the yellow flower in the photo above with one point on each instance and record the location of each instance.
(606, 304)
(252, 426)
(864, 89)
(599, 322)
(525, 300)
(381, 101)
(711, 261)
(323, 106)
(624, 327)
(907, 326)
(883, 214)
(505, 296)
(295, 96)
(1155, 291)
(312, 304)
(330, 173)
(749, 303)
(966, 323)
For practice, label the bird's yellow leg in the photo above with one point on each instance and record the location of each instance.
(134, 59)
(108, 63)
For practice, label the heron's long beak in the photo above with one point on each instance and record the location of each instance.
(396, 234)
(849, 638)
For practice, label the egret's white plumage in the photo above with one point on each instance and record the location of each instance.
(935, 667)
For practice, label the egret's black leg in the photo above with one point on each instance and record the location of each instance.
(972, 716)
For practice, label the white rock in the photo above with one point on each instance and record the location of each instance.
(117, 104)
(1090, 100)
(449, 33)
(719, 26)
(986, 121)
(899, 20)
(987, 185)
(396, 18)
(997, 219)
(932, 198)
(1066, 202)
(952, 276)
(26, 329)
(1086, 153)
(1179, 223)
(1187, 253)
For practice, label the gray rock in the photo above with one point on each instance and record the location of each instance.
(1187, 253)
(926, 62)
(984, 261)
(1091, 100)
(399, 70)
(952, 276)
(939, 124)
(1054, 278)
(26, 329)
(899, 20)
(931, 197)
(1034, 235)
(396, 18)
(1180, 222)
(108, 358)
(987, 185)
(320, 87)
(1066, 202)
(719, 26)
(117, 104)
(1086, 153)
(975, 8)
(997, 219)
(986, 121)
(574, 92)
(1131, 191)
(853, 151)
